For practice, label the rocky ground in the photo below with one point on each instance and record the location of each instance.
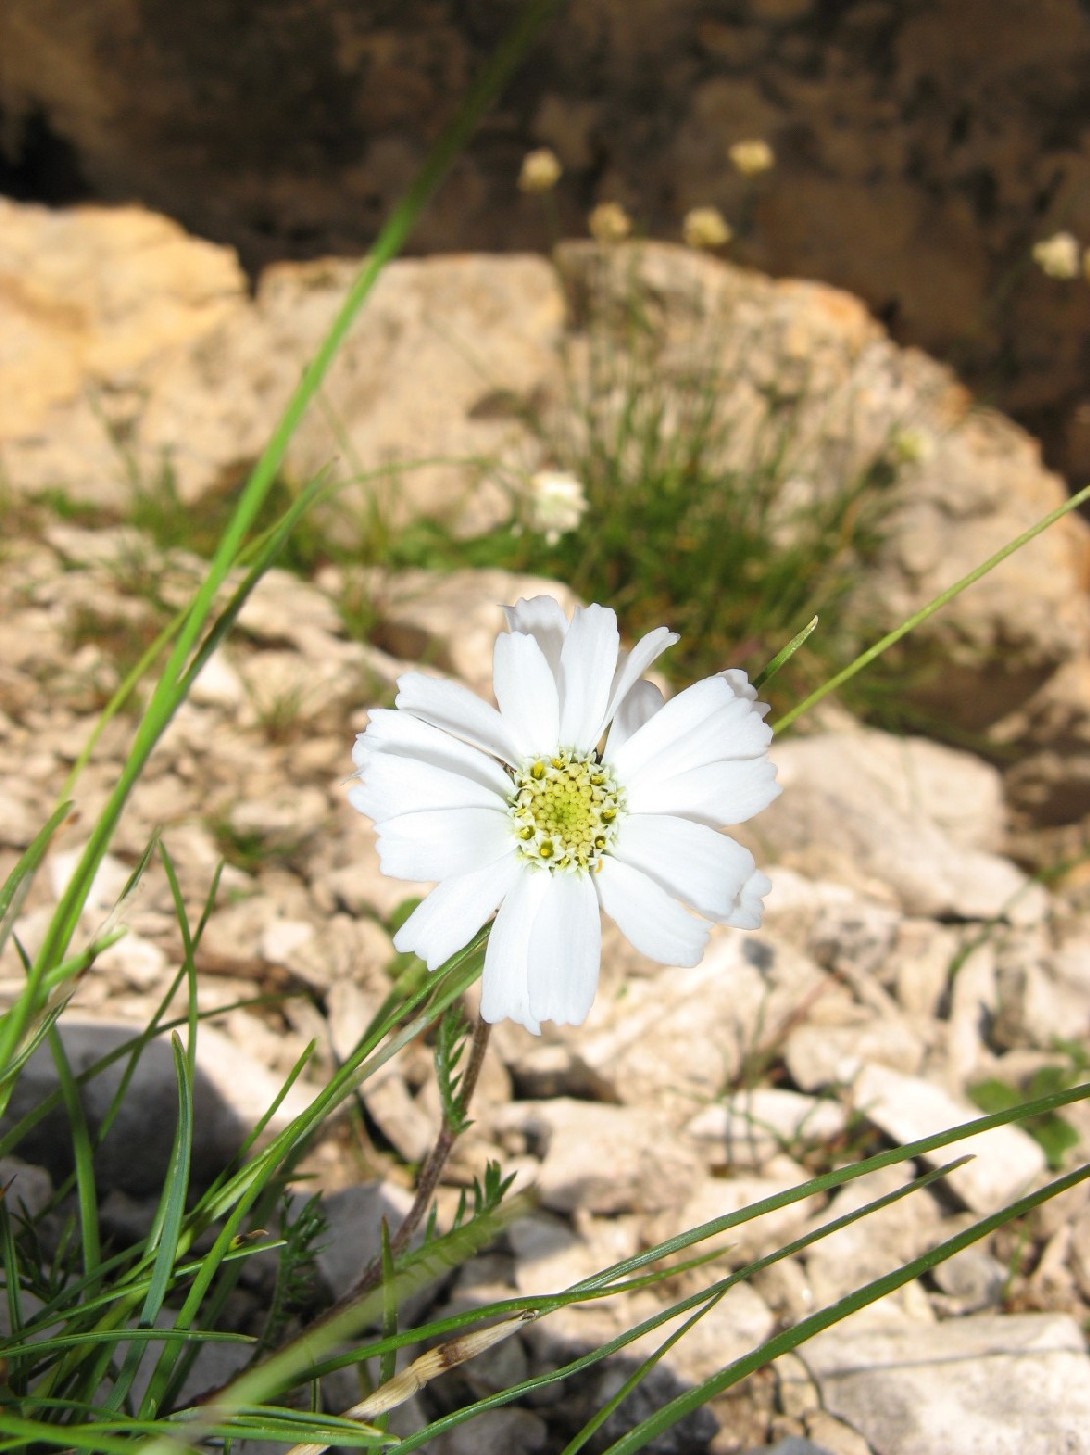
(907, 956)
(903, 960)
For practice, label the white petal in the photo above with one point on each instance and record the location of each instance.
(587, 665)
(704, 723)
(393, 784)
(543, 618)
(566, 951)
(689, 860)
(647, 917)
(439, 842)
(743, 687)
(722, 793)
(401, 734)
(452, 707)
(525, 689)
(505, 991)
(455, 910)
(639, 706)
(748, 912)
(635, 664)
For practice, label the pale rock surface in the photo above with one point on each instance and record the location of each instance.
(600, 1157)
(732, 1327)
(1006, 1160)
(437, 328)
(1018, 1385)
(826, 780)
(973, 1000)
(674, 1038)
(831, 1055)
(481, 339)
(91, 296)
(921, 779)
(717, 1197)
(972, 1280)
(450, 622)
(748, 1128)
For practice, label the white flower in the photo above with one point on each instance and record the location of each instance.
(609, 223)
(752, 157)
(540, 172)
(555, 503)
(523, 810)
(1058, 255)
(705, 227)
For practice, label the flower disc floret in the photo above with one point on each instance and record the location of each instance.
(565, 811)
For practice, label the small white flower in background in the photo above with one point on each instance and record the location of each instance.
(555, 503)
(911, 446)
(609, 223)
(1058, 255)
(541, 170)
(706, 227)
(526, 811)
(752, 157)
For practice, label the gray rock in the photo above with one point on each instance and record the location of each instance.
(825, 1055)
(606, 1159)
(874, 1244)
(27, 1189)
(792, 1445)
(716, 1197)
(494, 1432)
(748, 1128)
(674, 1038)
(231, 1092)
(1017, 1385)
(879, 841)
(971, 1281)
(1006, 1160)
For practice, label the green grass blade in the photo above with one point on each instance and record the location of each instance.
(83, 1154)
(166, 1228)
(782, 656)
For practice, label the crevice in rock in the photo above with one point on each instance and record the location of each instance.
(41, 165)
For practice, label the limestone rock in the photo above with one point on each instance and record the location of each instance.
(90, 297)
(1018, 1385)
(875, 180)
(903, 846)
(1006, 1160)
(673, 1038)
(451, 621)
(748, 1128)
(223, 398)
(607, 1159)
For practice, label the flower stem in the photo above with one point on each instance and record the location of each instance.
(432, 1169)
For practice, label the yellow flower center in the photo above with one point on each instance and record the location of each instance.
(565, 810)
